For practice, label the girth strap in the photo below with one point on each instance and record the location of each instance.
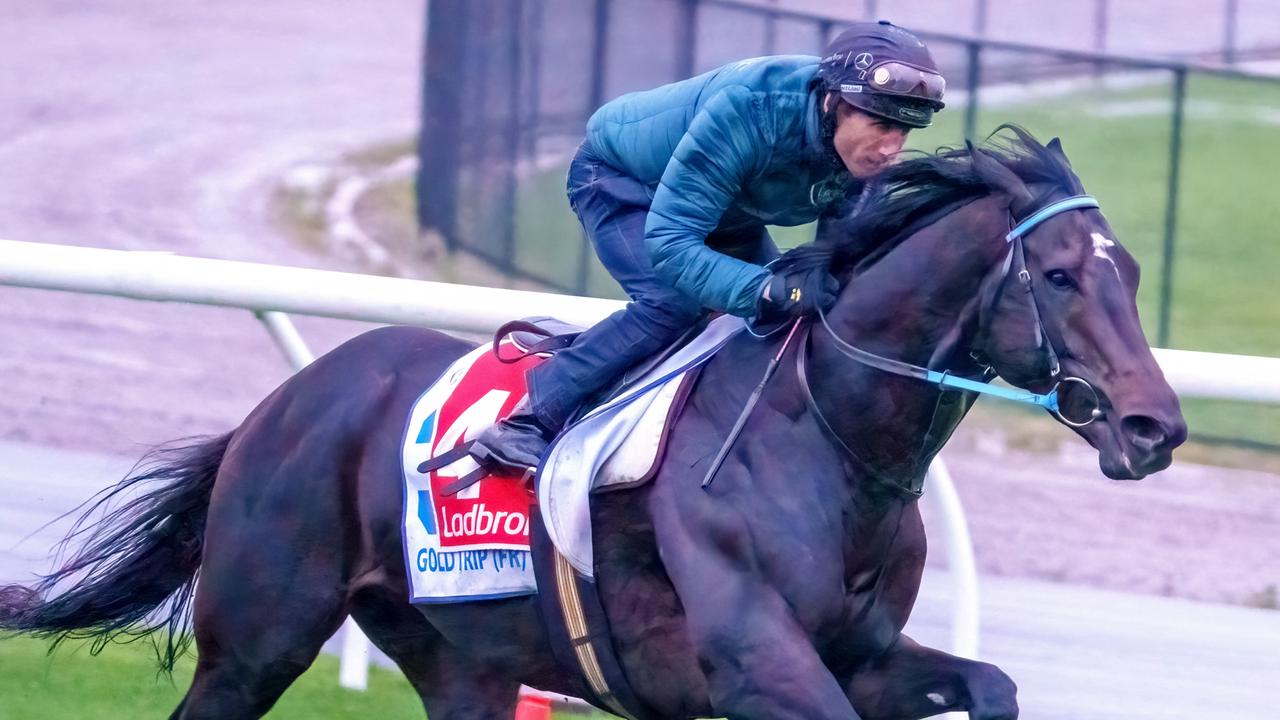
(575, 620)
(578, 629)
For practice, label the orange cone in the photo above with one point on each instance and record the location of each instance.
(533, 707)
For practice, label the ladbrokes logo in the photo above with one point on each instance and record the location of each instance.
(480, 521)
(493, 512)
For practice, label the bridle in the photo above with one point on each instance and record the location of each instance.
(1014, 265)
(1017, 253)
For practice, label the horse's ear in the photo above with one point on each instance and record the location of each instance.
(995, 174)
(1055, 147)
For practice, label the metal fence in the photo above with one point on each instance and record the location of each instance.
(1227, 31)
(509, 85)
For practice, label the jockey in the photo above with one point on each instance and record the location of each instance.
(674, 187)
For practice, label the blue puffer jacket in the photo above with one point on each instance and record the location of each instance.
(735, 147)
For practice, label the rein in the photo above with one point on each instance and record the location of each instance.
(1048, 401)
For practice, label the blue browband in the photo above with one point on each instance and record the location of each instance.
(1072, 203)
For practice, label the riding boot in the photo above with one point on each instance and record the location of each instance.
(517, 442)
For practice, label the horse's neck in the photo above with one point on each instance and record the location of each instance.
(905, 303)
(917, 304)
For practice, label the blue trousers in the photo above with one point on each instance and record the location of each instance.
(612, 208)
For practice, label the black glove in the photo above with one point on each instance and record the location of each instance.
(792, 295)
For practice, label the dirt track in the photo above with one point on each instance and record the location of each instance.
(163, 126)
(141, 124)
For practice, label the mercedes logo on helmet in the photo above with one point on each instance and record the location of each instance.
(863, 61)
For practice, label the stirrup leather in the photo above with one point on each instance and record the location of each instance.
(488, 461)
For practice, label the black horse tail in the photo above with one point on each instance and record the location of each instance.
(138, 560)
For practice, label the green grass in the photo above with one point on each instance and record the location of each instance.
(122, 683)
(549, 239)
(375, 157)
(302, 214)
(1224, 298)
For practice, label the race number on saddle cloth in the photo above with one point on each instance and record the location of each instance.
(474, 543)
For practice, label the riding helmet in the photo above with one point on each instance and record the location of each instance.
(884, 70)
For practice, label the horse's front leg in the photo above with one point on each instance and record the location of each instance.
(912, 681)
(757, 659)
(758, 662)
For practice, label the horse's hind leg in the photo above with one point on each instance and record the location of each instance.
(239, 677)
(913, 681)
(272, 584)
(253, 643)
(452, 687)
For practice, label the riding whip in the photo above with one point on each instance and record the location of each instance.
(746, 411)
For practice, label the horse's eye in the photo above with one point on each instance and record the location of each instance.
(1059, 279)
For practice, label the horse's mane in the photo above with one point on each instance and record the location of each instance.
(861, 229)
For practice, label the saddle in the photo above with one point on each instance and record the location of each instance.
(544, 337)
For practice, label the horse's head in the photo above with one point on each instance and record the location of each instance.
(1063, 305)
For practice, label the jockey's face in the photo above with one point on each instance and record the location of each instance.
(867, 143)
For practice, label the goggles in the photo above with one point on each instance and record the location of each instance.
(898, 78)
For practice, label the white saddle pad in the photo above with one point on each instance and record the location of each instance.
(616, 445)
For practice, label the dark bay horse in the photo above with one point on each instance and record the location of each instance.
(778, 592)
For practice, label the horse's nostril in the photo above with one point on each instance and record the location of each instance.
(1144, 432)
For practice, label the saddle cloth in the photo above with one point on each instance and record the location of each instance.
(475, 544)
